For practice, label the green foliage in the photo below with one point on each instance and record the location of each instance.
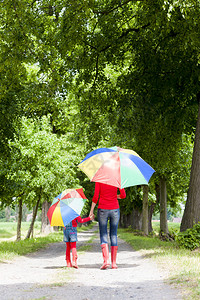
(129, 80)
(105, 73)
(189, 239)
(41, 162)
(2, 214)
(133, 200)
(178, 179)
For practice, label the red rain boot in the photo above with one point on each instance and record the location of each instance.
(68, 259)
(74, 258)
(105, 253)
(113, 256)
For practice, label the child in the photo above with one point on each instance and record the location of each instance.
(70, 237)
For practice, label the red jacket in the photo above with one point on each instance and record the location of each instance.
(79, 220)
(108, 196)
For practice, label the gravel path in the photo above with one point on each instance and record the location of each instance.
(43, 275)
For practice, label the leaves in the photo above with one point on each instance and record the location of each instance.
(189, 239)
(40, 161)
(83, 74)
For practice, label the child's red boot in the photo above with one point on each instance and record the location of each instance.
(68, 259)
(74, 258)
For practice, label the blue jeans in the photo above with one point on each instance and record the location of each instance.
(103, 216)
(70, 233)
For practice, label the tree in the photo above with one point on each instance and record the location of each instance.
(45, 226)
(191, 214)
(155, 45)
(130, 64)
(145, 210)
(42, 164)
(29, 70)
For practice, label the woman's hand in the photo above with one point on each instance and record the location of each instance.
(91, 217)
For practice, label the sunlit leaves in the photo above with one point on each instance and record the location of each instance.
(41, 161)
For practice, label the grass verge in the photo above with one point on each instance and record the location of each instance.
(11, 249)
(181, 265)
(8, 230)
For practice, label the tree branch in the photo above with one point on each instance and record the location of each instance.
(97, 69)
(106, 12)
(125, 33)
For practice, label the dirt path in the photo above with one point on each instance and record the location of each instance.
(43, 275)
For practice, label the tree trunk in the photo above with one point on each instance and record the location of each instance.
(191, 214)
(19, 219)
(125, 220)
(33, 219)
(32, 231)
(134, 220)
(150, 214)
(145, 210)
(163, 206)
(45, 226)
(7, 212)
(152, 207)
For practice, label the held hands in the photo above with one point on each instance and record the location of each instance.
(91, 217)
(91, 214)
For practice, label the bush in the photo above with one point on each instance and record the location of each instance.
(3, 220)
(189, 239)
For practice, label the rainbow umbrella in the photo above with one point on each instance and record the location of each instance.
(66, 207)
(117, 167)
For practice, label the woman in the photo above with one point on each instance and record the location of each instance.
(108, 208)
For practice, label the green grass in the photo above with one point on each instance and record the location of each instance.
(11, 249)
(88, 245)
(84, 248)
(8, 230)
(173, 227)
(84, 228)
(183, 266)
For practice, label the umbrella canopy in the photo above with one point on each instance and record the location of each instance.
(66, 207)
(117, 167)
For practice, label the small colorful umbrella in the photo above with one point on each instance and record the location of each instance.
(117, 167)
(66, 207)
